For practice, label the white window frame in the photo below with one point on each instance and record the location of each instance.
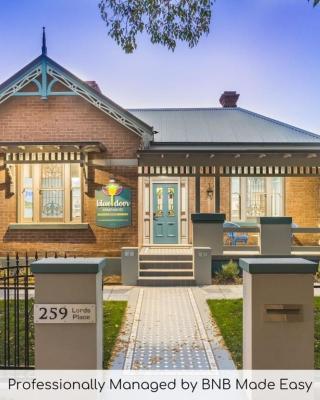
(243, 198)
(36, 188)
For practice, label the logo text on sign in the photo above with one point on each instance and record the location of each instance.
(64, 313)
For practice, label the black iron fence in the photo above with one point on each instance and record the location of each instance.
(16, 310)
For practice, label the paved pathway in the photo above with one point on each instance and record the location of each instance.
(170, 328)
(170, 333)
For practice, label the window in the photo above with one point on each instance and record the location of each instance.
(50, 193)
(255, 197)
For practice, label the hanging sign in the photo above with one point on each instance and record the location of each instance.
(113, 206)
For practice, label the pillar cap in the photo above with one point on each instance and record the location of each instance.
(278, 265)
(208, 217)
(275, 220)
(68, 265)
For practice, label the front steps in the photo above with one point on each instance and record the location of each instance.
(166, 266)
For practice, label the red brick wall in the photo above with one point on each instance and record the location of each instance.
(302, 204)
(62, 119)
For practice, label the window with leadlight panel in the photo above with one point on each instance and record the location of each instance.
(49, 193)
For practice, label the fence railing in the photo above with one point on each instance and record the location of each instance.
(16, 304)
(16, 309)
(304, 239)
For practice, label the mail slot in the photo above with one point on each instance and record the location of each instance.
(283, 313)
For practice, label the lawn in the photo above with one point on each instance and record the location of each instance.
(113, 312)
(228, 316)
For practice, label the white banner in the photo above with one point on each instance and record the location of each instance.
(166, 385)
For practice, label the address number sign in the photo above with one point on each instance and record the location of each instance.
(64, 313)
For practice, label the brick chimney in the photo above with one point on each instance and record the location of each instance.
(93, 85)
(229, 99)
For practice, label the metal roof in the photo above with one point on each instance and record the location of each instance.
(220, 125)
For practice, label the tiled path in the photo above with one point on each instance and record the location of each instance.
(169, 335)
(170, 329)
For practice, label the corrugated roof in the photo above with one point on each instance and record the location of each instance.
(220, 125)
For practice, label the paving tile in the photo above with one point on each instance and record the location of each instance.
(168, 334)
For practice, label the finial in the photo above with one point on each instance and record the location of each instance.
(44, 41)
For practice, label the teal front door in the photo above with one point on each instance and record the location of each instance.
(165, 213)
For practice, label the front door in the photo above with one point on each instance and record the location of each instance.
(165, 213)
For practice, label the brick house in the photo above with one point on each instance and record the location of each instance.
(62, 141)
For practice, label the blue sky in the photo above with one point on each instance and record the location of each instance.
(267, 50)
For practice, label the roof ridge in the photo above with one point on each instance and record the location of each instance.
(177, 109)
(276, 121)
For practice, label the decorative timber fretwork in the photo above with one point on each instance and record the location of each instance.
(36, 158)
(41, 153)
(20, 83)
(184, 170)
(44, 73)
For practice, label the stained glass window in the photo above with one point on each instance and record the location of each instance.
(50, 193)
(159, 212)
(171, 202)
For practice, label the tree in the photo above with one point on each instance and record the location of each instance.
(164, 21)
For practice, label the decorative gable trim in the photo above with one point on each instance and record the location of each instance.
(44, 67)
(19, 83)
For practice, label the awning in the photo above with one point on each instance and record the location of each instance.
(48, 152)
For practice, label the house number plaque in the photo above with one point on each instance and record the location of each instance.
(64, 313)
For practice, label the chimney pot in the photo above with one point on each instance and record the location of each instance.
(229, 99)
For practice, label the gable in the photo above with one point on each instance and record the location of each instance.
(44, 77)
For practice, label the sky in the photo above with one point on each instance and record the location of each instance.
(267, 50)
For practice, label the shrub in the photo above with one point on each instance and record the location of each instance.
(229, 272)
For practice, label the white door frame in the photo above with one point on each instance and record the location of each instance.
(162, 180)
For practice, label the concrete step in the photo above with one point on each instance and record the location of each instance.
(168, 265)
(165, 257)
(166, 281)
(156, 272)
